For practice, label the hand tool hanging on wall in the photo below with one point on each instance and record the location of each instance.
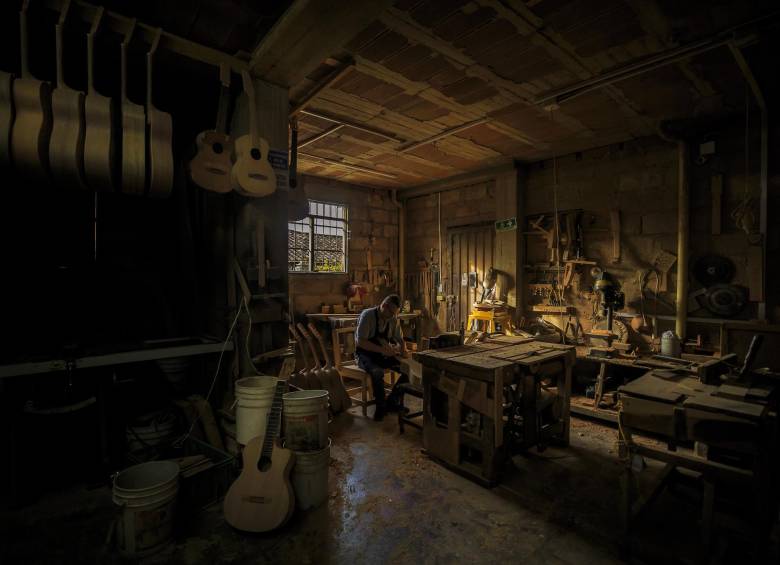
(297, 203)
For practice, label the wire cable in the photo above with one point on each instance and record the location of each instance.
(180, 441)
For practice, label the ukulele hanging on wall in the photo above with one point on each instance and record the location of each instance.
(210, 168)
(133, 132)
(252, 174)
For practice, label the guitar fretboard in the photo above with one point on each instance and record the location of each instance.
(274, 420)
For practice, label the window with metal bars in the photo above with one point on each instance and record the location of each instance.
(318, 243)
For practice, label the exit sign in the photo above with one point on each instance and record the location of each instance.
(506, 225)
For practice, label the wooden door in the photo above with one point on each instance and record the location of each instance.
(470, 251)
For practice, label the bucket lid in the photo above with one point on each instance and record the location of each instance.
(147, 475)
(303, 395)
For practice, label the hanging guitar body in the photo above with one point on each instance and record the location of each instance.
(160, 143)
(252, 174)
(262, 498)
(6, 117)
(99, 120)
(210, 168)
(133, 134)
(32, 124)
(66, 148)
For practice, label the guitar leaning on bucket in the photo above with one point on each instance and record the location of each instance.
(262, 499)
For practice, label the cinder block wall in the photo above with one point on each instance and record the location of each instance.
(372, 216)
(639, 178)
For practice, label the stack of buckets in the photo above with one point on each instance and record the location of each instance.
(306, 434)
(305, 416)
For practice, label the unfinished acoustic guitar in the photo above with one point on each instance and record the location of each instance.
(32, 123)
(133, 132)
(99, 125)
(66, 148)
(262, 498)
(6, 117)
(159, 158)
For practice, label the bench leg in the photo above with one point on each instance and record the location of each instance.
(364, 396)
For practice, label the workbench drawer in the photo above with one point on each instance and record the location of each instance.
(646, 415)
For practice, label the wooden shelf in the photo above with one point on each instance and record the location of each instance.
(159, 351)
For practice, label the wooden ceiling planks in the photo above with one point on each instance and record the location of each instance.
(423, 67)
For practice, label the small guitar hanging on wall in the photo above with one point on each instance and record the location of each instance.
(210, 168)
(252, 174)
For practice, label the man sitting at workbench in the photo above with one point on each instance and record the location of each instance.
(378, 344)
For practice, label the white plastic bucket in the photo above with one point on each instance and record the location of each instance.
(147, 495)
(306, 420)
(254, 397)
(310, 477)
(157, 431)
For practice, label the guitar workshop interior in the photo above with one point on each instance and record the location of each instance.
(391, 281)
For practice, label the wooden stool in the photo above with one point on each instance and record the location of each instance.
(490, 316)
(351, 372)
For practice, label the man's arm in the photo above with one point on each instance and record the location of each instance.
(399, 338)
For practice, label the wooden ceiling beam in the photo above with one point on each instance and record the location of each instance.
(526, 22)
(307, 33)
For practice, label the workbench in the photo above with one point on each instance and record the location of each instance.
(487, 401)
(723, 435)
(334, 321)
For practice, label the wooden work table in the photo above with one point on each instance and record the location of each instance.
(486, 401)
(724, 434)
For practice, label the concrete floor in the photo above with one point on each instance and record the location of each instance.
(388, 503)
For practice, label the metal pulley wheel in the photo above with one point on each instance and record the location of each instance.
(724, 299)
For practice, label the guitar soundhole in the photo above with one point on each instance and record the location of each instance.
(218, 148)
(255, 154)
(263, 464)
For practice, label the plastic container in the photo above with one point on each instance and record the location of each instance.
(146, 494)
(310, 477)
(670, 344)
(306, 420)
(254, 397)
(151, 432)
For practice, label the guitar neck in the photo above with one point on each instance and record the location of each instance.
(274, 420)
